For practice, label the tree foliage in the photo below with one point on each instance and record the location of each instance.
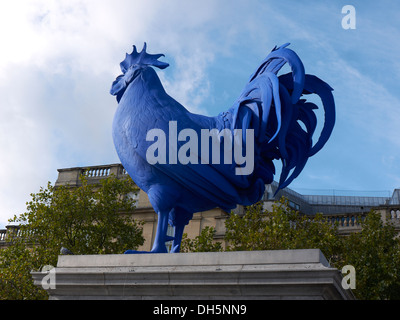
(375, 254)
(202, 243)
(88, 219)
(374, 251)
(281, 228)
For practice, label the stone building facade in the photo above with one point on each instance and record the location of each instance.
(348, 211)
(144, 211)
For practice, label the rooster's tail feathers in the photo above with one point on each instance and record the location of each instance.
(295, 122)
(295, 141)
(276, 60)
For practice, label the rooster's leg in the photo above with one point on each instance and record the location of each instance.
(161, 236)
(161, 233)
(162, 198)
(176, 244)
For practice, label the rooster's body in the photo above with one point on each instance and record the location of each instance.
(269, 105)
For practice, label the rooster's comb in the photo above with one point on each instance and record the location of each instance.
(142, 58)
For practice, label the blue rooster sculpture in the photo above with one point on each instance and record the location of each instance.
(271, 107)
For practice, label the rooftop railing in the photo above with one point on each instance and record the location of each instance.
(71, 176)
(3, 233)
(6, 235)
(104, 171)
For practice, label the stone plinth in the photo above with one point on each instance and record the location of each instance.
(276, 274)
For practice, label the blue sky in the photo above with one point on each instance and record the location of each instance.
(59, 58)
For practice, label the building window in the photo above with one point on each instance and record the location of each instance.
(294, 205)
(134, 196)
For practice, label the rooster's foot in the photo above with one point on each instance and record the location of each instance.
(155, 249)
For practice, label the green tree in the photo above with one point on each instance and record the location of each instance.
(202, 243)
(374, 251)
(281, 228)
(375, 254)
(89, 219)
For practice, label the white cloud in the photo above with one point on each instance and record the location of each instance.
(56, 70)
(59, 58)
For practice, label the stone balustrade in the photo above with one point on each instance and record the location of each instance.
(350, 220)
(353, 221)
(6, 235)
(3, 233)
(395, 215)
(71, 176)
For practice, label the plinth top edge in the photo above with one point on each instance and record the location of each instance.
(299, 256)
